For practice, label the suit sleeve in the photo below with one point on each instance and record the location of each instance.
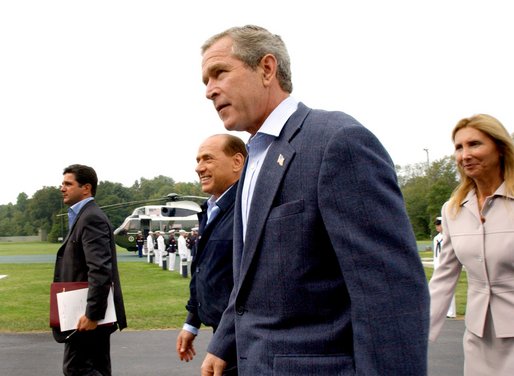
(192, 304)
(364, 213)
(96, 242)
(223, 342)
(443, 281)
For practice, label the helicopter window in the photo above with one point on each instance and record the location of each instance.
(153, 211)
(159, 225)
(185, 212)
(168, 212)
(176, 212)
(133, 225)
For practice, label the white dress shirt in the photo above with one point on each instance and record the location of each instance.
(258, 146)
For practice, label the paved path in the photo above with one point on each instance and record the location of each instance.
(152, 353)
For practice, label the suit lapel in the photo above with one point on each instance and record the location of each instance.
(225, 204)
(61, 249)
(273, 170)
(203, 229)
(70, 231)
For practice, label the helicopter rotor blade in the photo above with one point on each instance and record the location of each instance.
(130, 203)
(124, 204)
(192, 197)
(168, 197)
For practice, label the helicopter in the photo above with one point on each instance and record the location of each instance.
(179, 212)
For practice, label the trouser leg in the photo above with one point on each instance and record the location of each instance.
(88, 354)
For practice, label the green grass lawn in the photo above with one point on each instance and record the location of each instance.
(460, 292)
(32, 248)
(154, 299)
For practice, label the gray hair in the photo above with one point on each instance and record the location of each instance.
(251, 43)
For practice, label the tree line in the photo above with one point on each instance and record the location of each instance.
(425, 189)
(42, 211)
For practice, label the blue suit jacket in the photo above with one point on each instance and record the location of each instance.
(211, 269)
(328, 281)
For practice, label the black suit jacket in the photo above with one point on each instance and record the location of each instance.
(88, 253)
(211, 268)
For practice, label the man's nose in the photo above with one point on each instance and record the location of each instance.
(211, 90)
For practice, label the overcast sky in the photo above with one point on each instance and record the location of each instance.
(117, 84)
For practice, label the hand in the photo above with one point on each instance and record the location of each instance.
(212, 365)
(86, 324)
(185, 349)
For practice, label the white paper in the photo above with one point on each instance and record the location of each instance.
(72, 305)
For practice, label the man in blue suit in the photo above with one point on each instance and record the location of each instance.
(327, 278)
(220, 160)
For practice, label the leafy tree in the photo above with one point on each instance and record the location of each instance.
(22, 201)
(425, 190)
(443, 175)
(114, 193)
(6, 220)
(42, 209)
(192, 189)
(59, 228)
(415, 192)
(159, 186)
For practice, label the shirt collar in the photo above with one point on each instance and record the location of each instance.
(75, 209)
(277, 119)
(500, 191)
(79, 205)
(211, 201)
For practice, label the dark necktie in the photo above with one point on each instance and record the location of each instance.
(438, 247)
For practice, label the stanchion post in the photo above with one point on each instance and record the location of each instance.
(183, 267)
(164, 261)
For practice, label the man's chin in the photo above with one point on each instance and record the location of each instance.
(228, 124)
(229, 127)
(233, 127)
(206, 188)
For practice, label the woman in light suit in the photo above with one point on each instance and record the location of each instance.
(478, 232)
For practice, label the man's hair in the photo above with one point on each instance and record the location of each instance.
(251, 43)
(83, 175)
(233, 145)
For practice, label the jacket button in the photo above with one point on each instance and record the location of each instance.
(240, 310)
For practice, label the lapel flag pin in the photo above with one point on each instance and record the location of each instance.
(280, 160)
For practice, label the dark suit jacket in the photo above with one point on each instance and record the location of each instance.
(211, 269)
(88, 253)
(328, 281)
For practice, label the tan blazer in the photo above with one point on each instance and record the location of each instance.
(486, 250)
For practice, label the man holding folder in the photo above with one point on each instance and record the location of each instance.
(88, 254)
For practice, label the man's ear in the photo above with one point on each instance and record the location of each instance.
(238, 161)
(87, 189)
(268, 65)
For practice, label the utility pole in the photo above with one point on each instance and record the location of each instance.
(426, 172)
(428, 159)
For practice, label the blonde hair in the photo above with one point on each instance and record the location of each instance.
(495, 130)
